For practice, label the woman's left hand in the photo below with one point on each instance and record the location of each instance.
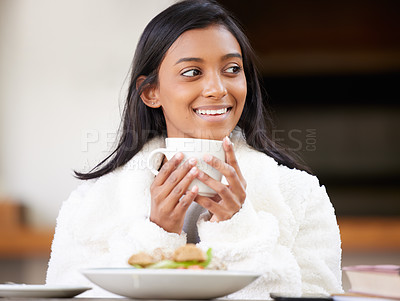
(229, 198)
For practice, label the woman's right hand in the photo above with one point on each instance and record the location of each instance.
(169, 196)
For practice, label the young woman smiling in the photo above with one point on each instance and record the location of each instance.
(201, 89)
(193, 75)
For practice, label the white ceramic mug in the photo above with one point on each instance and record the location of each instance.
(193, 148)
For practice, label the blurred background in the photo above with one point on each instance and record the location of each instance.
(331, 70)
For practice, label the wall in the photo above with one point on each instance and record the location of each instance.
(63, 64)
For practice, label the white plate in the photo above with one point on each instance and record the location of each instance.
(40, 291)
(168, 283)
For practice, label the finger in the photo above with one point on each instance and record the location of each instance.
(167, 169)
(181, 188)
(174, 179)
(223, 191)
(215, 208)
(186, 200)
(231, 157)
(227, 170)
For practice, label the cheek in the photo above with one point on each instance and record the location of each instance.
(176, 93)
(240, 91)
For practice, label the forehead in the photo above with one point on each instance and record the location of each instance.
(212, 41)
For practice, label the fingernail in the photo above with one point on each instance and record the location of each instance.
(195, 189)
(207, 157)
(228, 141)
(179, 156)
(193, 170)
(192, 161)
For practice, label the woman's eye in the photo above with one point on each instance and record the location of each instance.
(191, 73)
(233, 69)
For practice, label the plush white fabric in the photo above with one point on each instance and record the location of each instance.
(286, 228)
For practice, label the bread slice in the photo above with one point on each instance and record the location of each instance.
(189, 252)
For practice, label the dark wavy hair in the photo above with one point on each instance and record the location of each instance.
(140, 123)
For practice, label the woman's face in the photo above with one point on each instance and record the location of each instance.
(202, 86)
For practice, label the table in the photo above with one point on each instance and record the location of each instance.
(98, 299)
(67, 299)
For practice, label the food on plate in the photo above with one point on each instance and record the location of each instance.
(186, 257)
(189, 252)
(143, 259)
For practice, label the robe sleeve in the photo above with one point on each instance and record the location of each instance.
(297, 257)
(92, 232)
(317, 247)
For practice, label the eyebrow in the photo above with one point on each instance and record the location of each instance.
(196, 59)
(189, 59)
(229, 55)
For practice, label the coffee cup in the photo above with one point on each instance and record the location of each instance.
(192, 148)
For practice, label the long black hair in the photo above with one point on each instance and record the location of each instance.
(140, 123)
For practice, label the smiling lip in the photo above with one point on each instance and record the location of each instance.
(213, 113)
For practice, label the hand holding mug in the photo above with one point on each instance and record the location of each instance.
(195, 149)
(229, 198)
(170, 197)
(175, 186)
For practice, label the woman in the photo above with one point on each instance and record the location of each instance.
(193, 75)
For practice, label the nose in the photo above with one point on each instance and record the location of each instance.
(214, 87)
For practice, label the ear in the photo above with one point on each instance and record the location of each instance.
(149, 94)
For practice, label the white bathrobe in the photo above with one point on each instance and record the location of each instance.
(286, 229)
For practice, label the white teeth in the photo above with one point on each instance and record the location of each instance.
(212, 112)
